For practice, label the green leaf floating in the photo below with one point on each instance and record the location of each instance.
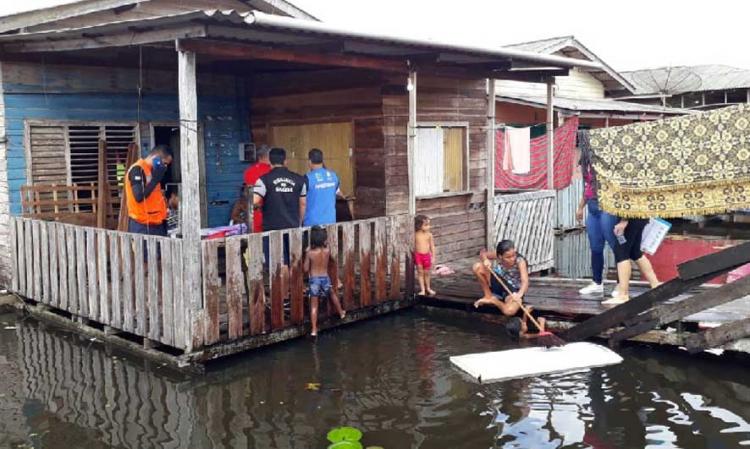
(346, 445)
(348, 434)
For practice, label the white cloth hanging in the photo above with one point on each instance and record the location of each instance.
(517, 155)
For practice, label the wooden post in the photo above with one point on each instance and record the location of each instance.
(550, 134)
(491, 102)
(190, 206)
(101, 184)
(412, 138)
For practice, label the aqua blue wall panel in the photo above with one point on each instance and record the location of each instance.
(226, 124)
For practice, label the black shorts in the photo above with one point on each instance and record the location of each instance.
(631, 249)
(140, 228)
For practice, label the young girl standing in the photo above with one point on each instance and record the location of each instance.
(424, 253)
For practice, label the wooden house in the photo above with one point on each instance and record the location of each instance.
(407, 123)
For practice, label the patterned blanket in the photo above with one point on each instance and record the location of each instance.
(692, 165)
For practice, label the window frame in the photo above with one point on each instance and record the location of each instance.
(466, 183)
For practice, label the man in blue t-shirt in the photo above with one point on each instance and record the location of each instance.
(322, 190)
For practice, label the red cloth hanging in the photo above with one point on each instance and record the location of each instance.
(536, 178)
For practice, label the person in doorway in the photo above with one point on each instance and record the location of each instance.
(424, 253)
(599, 224)
(147, 206)
(261, 167)
(317, 260)
(512, 269)
(629, 234)
(323, 189)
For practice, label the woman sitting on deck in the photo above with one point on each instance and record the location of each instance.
(512, 269)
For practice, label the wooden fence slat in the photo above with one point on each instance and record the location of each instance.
(256, 290)
(326, 308)
(394, 258)
(139, 289)
(153, 273)
(54, 267)
(278, 290)
(44, 244)
(102, 262)
(365, 263)
(80, 247)
(114, 275)
(14, 250)
(235, 287)
(297, 277)
(25, 258)
(167, 293)
(93, 294)
(37, 259)
(347, 234)
(179, 308)
(211, 287)
(128, 306)
(72, 262)
(381, 260)
(407, 235)
(22, 271)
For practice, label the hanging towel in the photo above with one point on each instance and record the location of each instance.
(518, 142)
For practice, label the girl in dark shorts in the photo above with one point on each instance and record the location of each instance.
(629, 234)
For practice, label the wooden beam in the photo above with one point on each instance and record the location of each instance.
(617, 315)
(114, 40)
(229, 50)
(728, 259)
(530, 76)
(551, 134)
(190, 192)
(412, 139)
(718, 336)
(102, 195)
(490, 207)
(672, 312)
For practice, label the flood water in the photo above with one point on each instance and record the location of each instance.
(389, 377)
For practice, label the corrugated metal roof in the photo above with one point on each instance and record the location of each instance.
(603, 105)
(681, 79)
(542, 45)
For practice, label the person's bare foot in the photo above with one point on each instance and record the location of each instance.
(431, 292)
(482, 301)
(314, 333)
(422, 293)
(343, 315)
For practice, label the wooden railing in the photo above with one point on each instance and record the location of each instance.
(247, 300)
(134, 283)
(528, 219)
(128, 282)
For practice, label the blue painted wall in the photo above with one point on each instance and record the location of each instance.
(226, 124)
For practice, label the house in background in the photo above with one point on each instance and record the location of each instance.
(699, 87)
(585, 92)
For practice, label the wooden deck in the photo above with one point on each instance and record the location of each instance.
(558, 299)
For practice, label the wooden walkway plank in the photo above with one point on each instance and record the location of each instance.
(349, 257)
(235, 291)
(365, 263)
(153, 299)
(114, 275)
(297, 283)
(668, 313)
(166, 313)
(102, 262)
(381, 261)
(92, 275)
(139, 288)
(44, 244)
(212, 288)
(718, 336)
(278, 286)
(724, 260)
(256, 291)
(83, 292)
(128, 295)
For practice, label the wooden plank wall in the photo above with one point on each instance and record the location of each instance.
(5, 240)
(458, 220)
(528, 220)
(248, 299)
(324, 97)
(126, 281)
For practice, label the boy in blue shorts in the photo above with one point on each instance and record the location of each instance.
(317, 260)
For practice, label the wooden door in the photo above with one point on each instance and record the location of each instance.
(334, 139)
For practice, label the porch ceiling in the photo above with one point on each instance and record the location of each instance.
(292, 41)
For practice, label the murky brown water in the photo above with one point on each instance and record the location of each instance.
(389, 377)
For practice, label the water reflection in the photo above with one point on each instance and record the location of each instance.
(390, 377)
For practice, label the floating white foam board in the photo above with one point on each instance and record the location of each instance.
(526, 362)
